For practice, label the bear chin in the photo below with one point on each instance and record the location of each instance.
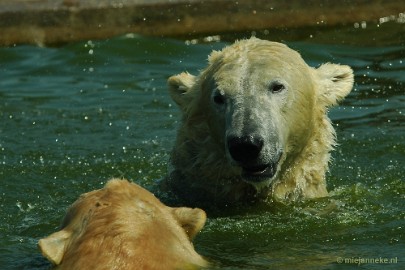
(261, 172)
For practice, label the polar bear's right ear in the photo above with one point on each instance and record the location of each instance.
(192, 220)
(336, 83)
(53, 247)
(179, 87)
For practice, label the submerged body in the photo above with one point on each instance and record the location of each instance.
(254, 125)
(124, 226)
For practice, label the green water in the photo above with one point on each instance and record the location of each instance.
(74, 116)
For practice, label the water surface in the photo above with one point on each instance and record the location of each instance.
(74, 116)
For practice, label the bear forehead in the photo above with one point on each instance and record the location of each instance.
(255, 50)
(256, 62)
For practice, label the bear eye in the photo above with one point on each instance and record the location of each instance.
(218, 98)
(276, 87)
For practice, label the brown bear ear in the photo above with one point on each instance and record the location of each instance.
(53, 246)
(179, 88)
(336, 82)
(191, 220)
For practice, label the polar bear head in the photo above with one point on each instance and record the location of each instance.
(259, 107)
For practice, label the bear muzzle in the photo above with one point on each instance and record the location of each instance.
(246, 152)
(245, 149)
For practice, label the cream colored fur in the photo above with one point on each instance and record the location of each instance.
(123, 226)
(201, 170)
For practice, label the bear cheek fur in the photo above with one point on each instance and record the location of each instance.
(300, 119)
(214, 117)
(298, 114)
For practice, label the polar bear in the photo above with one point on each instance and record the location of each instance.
(254, 125)
(124, 226)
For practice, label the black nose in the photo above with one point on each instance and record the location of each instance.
(245, 149)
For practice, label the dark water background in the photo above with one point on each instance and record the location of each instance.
(74, 116)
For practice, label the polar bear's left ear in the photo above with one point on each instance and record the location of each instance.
(336, 82)
(179, 88)
(53, 247)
